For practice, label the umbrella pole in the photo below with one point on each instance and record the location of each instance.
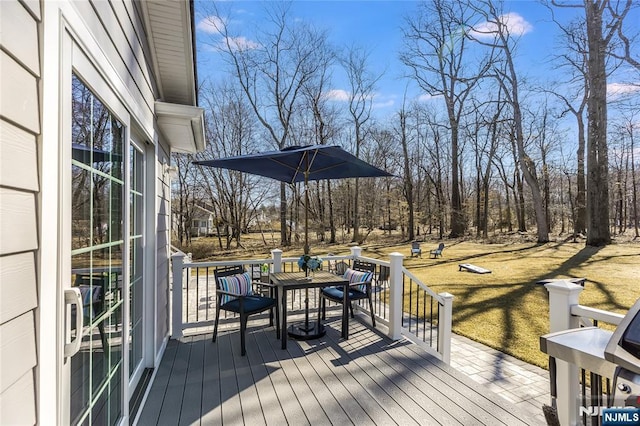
(306, 244)
(306, 214)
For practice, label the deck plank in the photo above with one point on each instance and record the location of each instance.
(367, 379)
(261, 370)
(192, 397)
(410, 401)
(311, 407)
(151, 412)
(335, 357)
(249, 400)
(211, 395)
(321, 380)
(229, 391)
(170, 413)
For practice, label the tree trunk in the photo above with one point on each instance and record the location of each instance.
(458, 222)
(580, 223)
(408, 183)
(598, 232)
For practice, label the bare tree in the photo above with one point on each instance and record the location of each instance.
(496, 34)
(574, 60)
(272, 70)
(604, 19)
(324, 125)
(230, 130)
(408, 179)
(362, 84)
(436, 53)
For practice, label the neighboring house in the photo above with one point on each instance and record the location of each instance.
(202, 222)
(94, 96)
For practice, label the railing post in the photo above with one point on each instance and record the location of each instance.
(356, 252)
(563, 295)
(276, 255)
(177, 262)
(445, 318)
(395, 295)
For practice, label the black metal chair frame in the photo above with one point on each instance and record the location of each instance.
(244, 315)
(354, 294)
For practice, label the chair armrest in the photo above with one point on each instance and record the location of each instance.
(360, 283)
(229, 293)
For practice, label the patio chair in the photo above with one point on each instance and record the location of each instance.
(437, 252)
(234, 293)
(341, 268)
(360, 288)
(415, 249)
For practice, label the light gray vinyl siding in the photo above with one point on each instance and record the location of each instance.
(121, 43)
(19, 187)
(163, 245)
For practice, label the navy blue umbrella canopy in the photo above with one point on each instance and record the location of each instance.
(300, 164)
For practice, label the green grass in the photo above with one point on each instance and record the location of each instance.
(506, 309)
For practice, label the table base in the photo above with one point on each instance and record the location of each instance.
(301, 332)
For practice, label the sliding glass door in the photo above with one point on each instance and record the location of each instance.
(97, 254)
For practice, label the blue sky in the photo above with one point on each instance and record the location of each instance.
(377, 25)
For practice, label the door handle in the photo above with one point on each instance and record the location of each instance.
(73, 296)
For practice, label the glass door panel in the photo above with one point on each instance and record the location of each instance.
(97, 211)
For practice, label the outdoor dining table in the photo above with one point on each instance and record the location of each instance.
(285, 281)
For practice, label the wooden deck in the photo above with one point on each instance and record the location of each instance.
(368, 379)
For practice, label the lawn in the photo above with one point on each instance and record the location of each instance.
(506, 309)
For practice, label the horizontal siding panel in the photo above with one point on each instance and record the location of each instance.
(34, 7)
(123, 61)
(15, 19)
(17, 349)
(19, 88)
(18, 226)
(132, 11)
(18, 402)
(125, 39)
(18, 158)
(18, 285)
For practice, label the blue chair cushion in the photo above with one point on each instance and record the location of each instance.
(252, 304)
(336, 293)
(358, 277)
(239, 284)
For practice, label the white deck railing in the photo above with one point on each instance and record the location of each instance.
(573, 405)
(403, 303)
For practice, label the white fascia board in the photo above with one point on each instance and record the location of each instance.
(182, 126)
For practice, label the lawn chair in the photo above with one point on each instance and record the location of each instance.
(415, 249)
(360, 288)
(234, 293)
(437, 252)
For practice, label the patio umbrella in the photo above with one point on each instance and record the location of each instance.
(300, 164)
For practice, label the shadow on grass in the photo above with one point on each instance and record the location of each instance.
(511, 298)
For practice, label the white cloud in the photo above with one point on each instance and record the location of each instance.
(384, 104)
(239, 43)
(620, 89)
(514, 22)
(337, 95)
(425, 97)
(211, 24)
